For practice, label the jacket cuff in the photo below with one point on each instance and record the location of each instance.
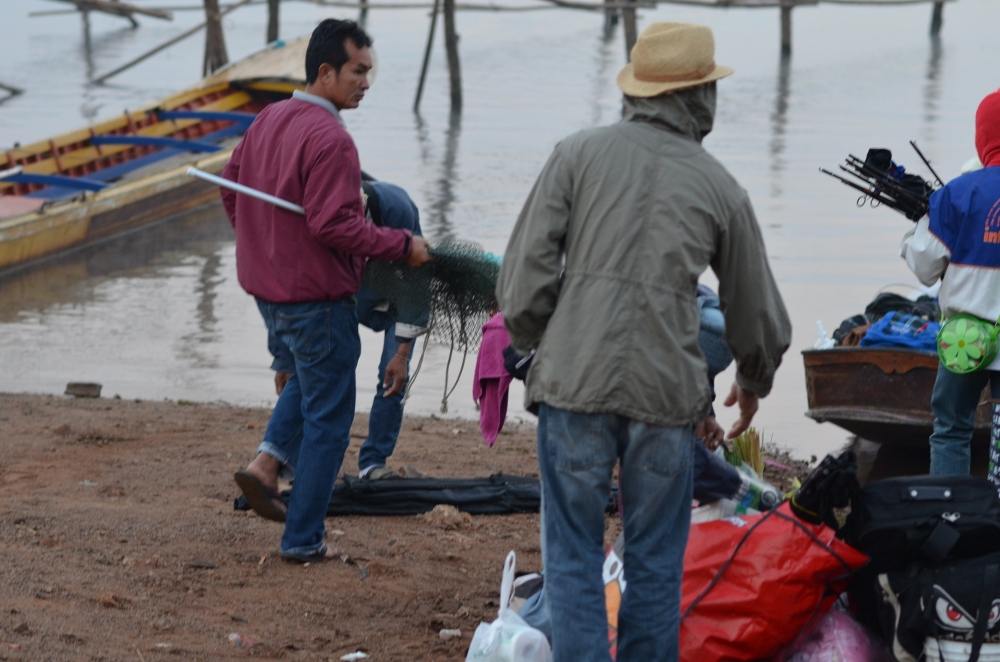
(406, 244)
(760, 388)
(407, 332)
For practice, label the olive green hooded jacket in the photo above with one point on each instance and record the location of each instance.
(601, 270)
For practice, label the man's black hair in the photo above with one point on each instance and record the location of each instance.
(327, 44)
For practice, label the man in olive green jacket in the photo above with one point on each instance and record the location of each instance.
(600, 279)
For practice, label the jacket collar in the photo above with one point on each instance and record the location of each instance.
(689, 112)
(318, 101)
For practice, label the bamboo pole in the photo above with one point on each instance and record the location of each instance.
(165, 45)
(272, 20)
(451, 48)
(116, 8)
(427, 57)
(216, 56)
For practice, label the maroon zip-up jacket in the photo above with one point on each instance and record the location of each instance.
(299, 151)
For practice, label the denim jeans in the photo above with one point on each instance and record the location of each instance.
(386, 416)
(954, 401)
(576, 455)
(310, 426)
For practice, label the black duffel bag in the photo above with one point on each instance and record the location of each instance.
(917, 521)
(924, 518)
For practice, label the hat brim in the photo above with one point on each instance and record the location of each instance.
(632, 86)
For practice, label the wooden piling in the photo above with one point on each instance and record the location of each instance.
(451, 47)
(937, 18)
(216, 56)
(786, 27)
(165, 45)
(272, 20)
(631, 30)
(363, 14)
(427, 57)
(610, 17)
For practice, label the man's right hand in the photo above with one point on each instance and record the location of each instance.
(748, 402)
(419, 252)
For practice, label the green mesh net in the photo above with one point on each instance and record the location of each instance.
(453, 294)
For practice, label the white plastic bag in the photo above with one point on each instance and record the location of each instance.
(509, 638)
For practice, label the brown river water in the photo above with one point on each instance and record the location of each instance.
(159, 314)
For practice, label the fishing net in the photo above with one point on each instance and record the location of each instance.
(453, 294)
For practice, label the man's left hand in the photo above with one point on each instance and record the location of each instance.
(280, 380)
(709, 432)
(396, 374)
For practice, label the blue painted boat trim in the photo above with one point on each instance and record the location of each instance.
(152, 141)
(76, 183)
(118, 171)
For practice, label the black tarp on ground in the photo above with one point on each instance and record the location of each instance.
(499, 494)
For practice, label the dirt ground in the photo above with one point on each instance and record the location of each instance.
(120, 542)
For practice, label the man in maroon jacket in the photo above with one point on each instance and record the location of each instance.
(304, 272)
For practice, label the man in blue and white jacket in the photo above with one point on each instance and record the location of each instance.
(958, 242)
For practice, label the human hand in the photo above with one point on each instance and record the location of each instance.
(396, 375)
(748, 403)
(709, 432)
(280, 379)
(419, 252)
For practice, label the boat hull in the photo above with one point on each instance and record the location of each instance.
(880, 394)
(96, 217)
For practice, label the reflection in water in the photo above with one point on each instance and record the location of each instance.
(779, 121)
(441, 194)
(196, 347)
(932, 88)
(149, 253)
(603, 62)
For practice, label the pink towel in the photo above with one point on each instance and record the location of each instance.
(492, 381)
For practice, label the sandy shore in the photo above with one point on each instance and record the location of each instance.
(120, 542)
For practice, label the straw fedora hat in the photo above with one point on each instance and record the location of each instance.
(669, 57)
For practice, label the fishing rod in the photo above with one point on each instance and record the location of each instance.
(926, 162)
(885, 182)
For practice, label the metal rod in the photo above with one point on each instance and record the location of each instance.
(246, 190)
(11, 172)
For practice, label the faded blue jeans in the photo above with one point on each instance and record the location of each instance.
(310, 426)
(576, 455)
(386, 416)
(954, 401)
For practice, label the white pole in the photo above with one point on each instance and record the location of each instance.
(246, 190)
(17, 170)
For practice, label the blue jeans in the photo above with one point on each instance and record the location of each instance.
(576, 456)
(386, 416)
(310, 426)
(954, 401)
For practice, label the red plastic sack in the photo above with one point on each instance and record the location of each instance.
(752, 583)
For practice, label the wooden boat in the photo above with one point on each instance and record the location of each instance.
(89, 185)
(879, 394)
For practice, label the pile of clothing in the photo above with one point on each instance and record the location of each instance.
(892, 320)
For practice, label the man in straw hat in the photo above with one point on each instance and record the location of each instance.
(599, 278)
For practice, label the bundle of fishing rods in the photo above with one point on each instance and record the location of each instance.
(881, 181)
